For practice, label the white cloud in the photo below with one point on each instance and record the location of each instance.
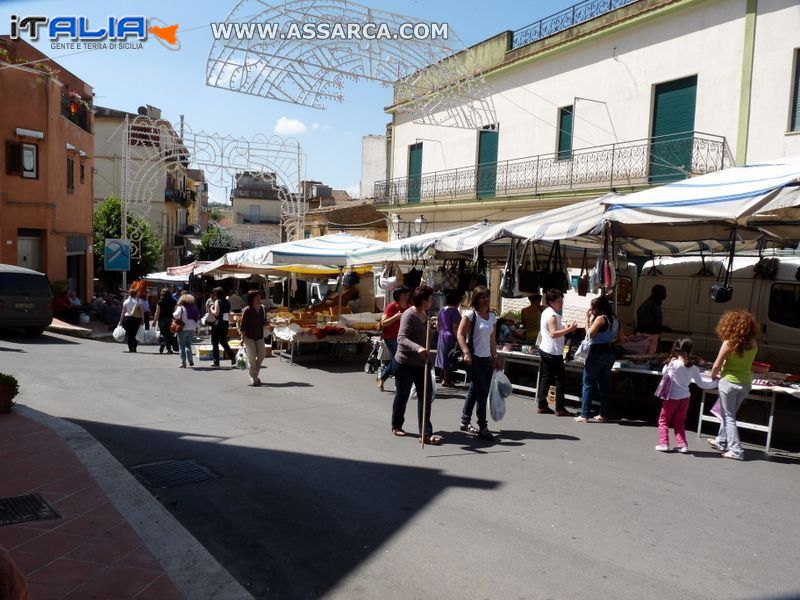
(354, 190)
(286, 126)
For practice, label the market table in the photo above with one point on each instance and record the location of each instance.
(293, 335)
(758, 393)
(523, 358)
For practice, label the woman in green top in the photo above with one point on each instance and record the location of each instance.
(737, 329)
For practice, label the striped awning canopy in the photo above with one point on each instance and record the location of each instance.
(334, 250)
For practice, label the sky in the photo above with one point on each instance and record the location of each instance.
(174, 81)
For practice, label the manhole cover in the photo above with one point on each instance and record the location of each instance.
(172, 473)
(21, 509)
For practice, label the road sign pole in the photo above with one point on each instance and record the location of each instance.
(124, 224)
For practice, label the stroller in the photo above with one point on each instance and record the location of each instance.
(377, 356)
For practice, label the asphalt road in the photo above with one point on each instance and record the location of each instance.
(316, 498)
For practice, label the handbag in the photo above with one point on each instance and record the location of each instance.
(664, 386)
(722, 291)
(177, 325)
(528, 272)
(351, 278)
(582, 353)
(387, 280)
(583, 279)
(450, 275)
(555, 278)
(509, 287)
(479, 270)
(413, 277)
(455, 358)
(464, 276)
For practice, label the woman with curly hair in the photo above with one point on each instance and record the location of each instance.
(737, 329)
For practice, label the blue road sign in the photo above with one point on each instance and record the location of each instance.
(117, 255)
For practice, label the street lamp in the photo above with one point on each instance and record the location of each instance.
(398, 225)
(420, 225)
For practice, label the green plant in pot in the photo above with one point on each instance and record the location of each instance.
(9, 388)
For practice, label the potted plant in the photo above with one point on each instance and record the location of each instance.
(9, 387)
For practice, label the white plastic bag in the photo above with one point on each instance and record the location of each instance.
(241, 359)
(151, 335)
(84, 318)
(582, 353)
(499, 390)
(119, 333)
(140, 335)
(412, 397)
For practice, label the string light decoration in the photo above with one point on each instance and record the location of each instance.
(156, 149)
(436, 81)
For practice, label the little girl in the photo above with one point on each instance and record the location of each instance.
(681, 372)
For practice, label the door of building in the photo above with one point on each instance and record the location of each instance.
(673, 126)
(487, 163)
(414, 173)
(29, 252)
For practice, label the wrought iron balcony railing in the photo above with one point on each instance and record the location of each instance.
(638, 163)
(569, 17)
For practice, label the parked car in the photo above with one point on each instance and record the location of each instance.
(26, 300)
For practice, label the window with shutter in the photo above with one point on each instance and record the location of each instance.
(565, 133)
(13, 158)
(30, 161)
(70, 175)
(795, 117)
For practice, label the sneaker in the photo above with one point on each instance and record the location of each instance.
(469, 428)
(662, 448)
(485, 434)
(546, 411)
(181, 366)
(730, 454)
(682, 450)
(713, 443)
(191, 364)
(581, 419)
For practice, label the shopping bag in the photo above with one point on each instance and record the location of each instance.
(664, 386)
(412, 397)
(140, 335)
(499, 390)
(582, 353)
(241, 359)
(119, 333)
(151, 335)
(509, 284)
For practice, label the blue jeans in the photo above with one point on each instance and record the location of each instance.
(597, 372)
(478, 392)
(405, 377)
(391, 368)
(185, 346)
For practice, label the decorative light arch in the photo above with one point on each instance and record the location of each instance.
(436, 81)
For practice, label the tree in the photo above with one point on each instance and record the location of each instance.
(215, 243)
(108, 224)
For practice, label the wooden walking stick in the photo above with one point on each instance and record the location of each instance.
(425, 383)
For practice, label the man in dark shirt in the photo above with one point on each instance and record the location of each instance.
(649, 317)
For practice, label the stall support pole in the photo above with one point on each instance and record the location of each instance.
(423, 426)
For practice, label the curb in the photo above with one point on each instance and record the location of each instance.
(79, 332)
(193, 570)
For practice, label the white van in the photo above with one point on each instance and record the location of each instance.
(688, 307)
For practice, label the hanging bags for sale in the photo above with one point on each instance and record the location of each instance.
(479, 270)
(413, 278)
(450, 275)
(583, 278)
(528, 272)
(509, 284)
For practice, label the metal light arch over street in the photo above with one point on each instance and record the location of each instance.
(436, 81)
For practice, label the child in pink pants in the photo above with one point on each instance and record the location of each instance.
(681, 372)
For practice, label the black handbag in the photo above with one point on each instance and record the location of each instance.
(555, 277)
(412, 279)
(528, 272)
(464, 276)
(478, 271)
(455, 358)
(583, 279)
(722, 291)
(508, 284)
(351, 278)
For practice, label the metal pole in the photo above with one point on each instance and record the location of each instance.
(124, 224)
(423, 425)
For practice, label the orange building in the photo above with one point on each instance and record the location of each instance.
(46, 144)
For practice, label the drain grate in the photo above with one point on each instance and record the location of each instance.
(21, 509)
(172, 473)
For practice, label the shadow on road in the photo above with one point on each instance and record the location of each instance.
(285, 524)
(41, 340)
(286, 384)
(533, 435)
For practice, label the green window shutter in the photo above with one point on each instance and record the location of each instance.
(487, 163)
(673, 126)
(565, 133)
(796, 94)
(414, 172)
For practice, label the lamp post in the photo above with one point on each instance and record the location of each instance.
(420, 225)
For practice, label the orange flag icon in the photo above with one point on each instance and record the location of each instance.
(168, 34)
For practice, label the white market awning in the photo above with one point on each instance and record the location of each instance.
(334, 249)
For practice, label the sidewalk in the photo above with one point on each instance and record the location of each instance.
(93, 329)
(94, 550)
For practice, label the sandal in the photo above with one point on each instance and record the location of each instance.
(379, 383)
(433, 440)
(399, 432)
(469, 428)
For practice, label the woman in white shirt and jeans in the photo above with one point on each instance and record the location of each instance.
(479, 346)
(551, 353)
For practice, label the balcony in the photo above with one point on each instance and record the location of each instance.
(77, 112)
(632, 164)
(569, 17)
(181, 197)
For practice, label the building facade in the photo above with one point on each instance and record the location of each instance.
(256, 203)
(46, 127)
(158, 187)
(601, 100)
